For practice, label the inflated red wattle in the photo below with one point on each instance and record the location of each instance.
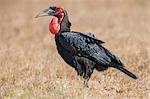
(54, 26)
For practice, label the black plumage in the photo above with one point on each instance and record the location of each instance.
(84, 52)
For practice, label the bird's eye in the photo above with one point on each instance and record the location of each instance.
(57, 9)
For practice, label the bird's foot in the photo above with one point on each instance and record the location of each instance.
(85, 84)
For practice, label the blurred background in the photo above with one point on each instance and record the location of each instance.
(30, 66)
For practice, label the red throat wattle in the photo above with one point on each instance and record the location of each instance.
(54, 25)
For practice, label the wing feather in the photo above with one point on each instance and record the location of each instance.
(84, 45)
(90, 36)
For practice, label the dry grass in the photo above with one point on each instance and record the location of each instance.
(30, 67)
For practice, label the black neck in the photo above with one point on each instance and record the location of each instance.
(65, 24)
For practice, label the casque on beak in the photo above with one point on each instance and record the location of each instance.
(45, 12)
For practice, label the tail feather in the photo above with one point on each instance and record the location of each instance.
(127, 72)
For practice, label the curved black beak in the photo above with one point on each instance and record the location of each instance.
(45, 12)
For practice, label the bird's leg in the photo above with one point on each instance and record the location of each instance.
(87, 75)
(84, 68)
(80, 70)
(85, 83)
(88, 72)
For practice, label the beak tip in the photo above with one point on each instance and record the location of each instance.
(36, 16)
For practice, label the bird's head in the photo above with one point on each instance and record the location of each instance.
(58, 13)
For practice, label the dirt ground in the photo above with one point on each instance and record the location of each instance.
(30, 67)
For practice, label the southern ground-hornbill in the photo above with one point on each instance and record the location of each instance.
(83, 51)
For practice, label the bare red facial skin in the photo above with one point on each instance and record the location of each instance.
(60, 8)
(54, 25)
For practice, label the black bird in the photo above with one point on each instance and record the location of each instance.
(83, 51)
